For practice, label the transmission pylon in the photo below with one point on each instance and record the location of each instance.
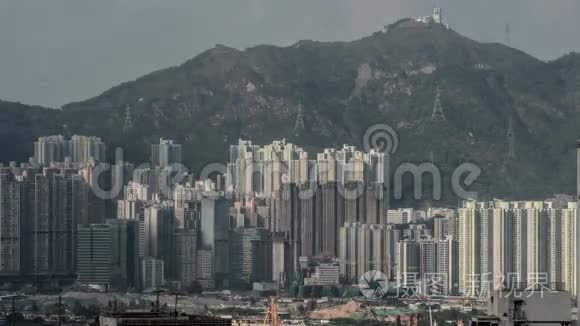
(128, 125)
(299, 124)
(511, 137)
(438, 114)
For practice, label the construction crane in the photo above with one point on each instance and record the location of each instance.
(371, 312)
(272, 317)
(427, 301)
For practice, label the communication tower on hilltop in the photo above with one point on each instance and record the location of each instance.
(128, 125)
(299, 124)
(438, 114)
(437, 15)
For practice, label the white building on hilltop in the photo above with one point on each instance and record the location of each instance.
(435, 18)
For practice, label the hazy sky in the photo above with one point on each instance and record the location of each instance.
(57, 51)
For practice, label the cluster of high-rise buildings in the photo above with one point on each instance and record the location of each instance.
(512, 243)
(78, 149)
(276, 217)
(41, 204)
(473, 250)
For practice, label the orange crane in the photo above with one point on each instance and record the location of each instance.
(272, 317)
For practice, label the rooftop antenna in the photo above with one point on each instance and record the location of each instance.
(438, 114)
(508, 38)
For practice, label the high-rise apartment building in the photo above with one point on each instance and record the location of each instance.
(205, 271)
(79, 149)
(255, 169)
(408, 263)
(86, 148)
(39, 212)
(165, 153)
(186, 242)
(94, 254)
(365, 247)
(438, 265)
(160, 236)
(215, 230)
(441, 228)
(124, 253)
(50, 149)
(10, 224)
(251, 255)
(507, 244)
(152, 273)
(281, 260)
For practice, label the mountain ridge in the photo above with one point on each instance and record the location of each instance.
(211, 100)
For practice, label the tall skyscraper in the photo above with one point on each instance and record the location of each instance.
(83, 149)
(186, 243)
(50, 149)
(38, 226)
(79, 149)
(187, 199)
(440, 228)
(507, 244)
(448, 264)
(165, 153)
(152, 273)
(569, 242)
(438, 266)
(124, 253)
(160, 237)
(67, 195)
(205, 271)
(409, 263)
(10, 224)
(469, 247)
(94, 254)
(365, 247)
(577, 233)
(251, 255)
(255, 169)
(281, 260)
(39, 212)
(215, 230)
